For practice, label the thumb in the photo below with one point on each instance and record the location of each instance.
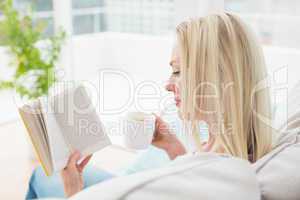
(159, 122)
(158, 119)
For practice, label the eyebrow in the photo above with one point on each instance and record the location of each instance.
(175, 68)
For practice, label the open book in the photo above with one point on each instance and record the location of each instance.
(61, 124)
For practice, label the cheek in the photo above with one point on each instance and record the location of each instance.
(177, 88)
(173, 86)
(170, 85)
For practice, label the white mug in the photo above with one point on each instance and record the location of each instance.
(138, 130)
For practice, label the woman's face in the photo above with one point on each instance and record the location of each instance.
(173, 82)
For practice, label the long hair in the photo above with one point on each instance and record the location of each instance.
(223, 78)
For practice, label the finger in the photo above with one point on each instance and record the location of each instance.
(156, 126)
(159, 122)
(162, 126)
(156, 130)
(73, 159)
(84, 163)
(209, 144)
(158, 119)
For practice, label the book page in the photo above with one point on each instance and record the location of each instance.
(41, 121)
(29, 115)
(79, 122)
(58, 148)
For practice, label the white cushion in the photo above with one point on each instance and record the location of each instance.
(278, 172)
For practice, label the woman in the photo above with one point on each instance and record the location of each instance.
(217, 77)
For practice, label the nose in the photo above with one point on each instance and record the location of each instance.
(169, 87)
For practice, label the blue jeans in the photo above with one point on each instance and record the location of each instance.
(41, 186)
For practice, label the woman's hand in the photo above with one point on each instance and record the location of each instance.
(164, 139)
(72, 174)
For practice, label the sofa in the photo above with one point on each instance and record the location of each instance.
(212, 176)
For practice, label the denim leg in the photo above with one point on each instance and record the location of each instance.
(41, 186)
(31, 192)
(94, 175)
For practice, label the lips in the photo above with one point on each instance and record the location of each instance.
(177, 101)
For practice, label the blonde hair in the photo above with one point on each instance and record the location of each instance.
(220, 57)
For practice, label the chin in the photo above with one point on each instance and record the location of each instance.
(179, 113)
(180, 116)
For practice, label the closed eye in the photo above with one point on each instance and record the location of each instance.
(176, 73)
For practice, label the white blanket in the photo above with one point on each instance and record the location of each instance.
(206, 176)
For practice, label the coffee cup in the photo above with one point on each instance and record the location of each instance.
(138, 130)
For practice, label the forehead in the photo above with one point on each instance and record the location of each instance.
(174, 61)
(175, 51)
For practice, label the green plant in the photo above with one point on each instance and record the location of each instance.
(31, 63)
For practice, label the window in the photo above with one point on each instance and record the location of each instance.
(87, 3)
(38, 5)
(277, 22)
(87, 16)
(134, 16)
(43, 12)
(91, 16)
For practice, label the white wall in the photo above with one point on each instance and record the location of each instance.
(142, 58)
